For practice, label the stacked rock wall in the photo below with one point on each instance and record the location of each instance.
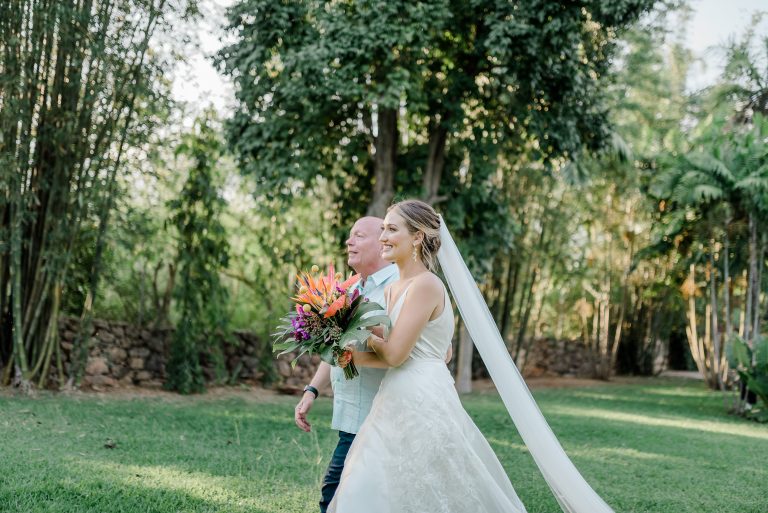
(121, 354)
(124, 355)
(551, 357)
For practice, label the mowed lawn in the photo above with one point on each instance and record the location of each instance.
(654, 446)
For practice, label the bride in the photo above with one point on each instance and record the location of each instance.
(418, 451)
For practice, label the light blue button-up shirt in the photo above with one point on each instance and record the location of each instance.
(352, 398)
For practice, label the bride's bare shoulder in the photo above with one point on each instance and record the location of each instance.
(429, 283)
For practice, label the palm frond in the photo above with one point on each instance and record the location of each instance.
(575, 174)
(705, 193)
(710, 164)
(620, 148)
(754, 182)
(664, 183)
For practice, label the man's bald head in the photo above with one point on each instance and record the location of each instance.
(363, 246)
(375, 224)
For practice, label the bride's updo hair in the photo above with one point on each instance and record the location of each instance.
(420, 217)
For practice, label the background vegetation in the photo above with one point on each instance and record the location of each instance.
(595, 197)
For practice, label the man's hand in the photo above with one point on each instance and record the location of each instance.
(321, 380)
(377, 330)
(300, 415)
(374, 339)
(449, 355)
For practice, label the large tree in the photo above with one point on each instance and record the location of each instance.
(360, 90)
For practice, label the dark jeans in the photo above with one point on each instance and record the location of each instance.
(333, 474)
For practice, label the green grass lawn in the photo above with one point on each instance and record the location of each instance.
(657, 446)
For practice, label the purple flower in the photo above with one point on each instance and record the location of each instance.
(300, 334)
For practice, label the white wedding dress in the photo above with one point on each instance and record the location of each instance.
(418, 451)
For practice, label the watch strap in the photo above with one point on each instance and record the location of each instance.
(310, 388)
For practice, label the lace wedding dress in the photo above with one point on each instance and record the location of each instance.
(418, 451)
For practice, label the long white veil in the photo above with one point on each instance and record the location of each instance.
(570, 489)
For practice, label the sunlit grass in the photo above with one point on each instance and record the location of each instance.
(674, 422)
(649, 447)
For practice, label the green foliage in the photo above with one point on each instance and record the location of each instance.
(202, 251)
(80, 84)
(313, 79)
(751, 365)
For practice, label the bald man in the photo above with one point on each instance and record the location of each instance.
(352, 398)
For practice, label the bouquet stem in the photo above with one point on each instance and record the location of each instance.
(350, 371)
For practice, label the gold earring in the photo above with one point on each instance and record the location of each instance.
(415, 254)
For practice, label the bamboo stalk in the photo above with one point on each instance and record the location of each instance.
(715, 355)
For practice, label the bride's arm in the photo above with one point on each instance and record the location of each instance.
(424, 297)
(369, 359)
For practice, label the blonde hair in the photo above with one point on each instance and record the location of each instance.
(420, 217)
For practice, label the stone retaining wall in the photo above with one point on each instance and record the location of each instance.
(121, 354)
(125, 355)
(550, 357)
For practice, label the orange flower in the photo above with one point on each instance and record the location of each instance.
(344, 358)
(351, 281)
(336, 305)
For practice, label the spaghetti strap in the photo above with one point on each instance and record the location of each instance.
(400, 297)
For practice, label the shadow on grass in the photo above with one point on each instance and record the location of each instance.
(91, 487)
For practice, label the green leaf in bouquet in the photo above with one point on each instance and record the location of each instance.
(367, 307)
(354, 336)
(367, 322)
(295, 360)
(285, 347)
(326, 355)
(374, 320)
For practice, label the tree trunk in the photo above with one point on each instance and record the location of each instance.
(433, 172)
(727, 285)
(464, 363)
(522, 330)
(539, 306)
(623, 306)
(385, 158)
(757, 289)
(744, 306)
(716, 355)
(752, 285)
(691, 329)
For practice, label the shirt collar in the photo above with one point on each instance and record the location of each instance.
(380, 276)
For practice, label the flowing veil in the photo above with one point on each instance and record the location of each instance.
(570, 489)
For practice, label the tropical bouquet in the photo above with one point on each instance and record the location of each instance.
(330, 317)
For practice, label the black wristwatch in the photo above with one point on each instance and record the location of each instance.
(310, 388)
